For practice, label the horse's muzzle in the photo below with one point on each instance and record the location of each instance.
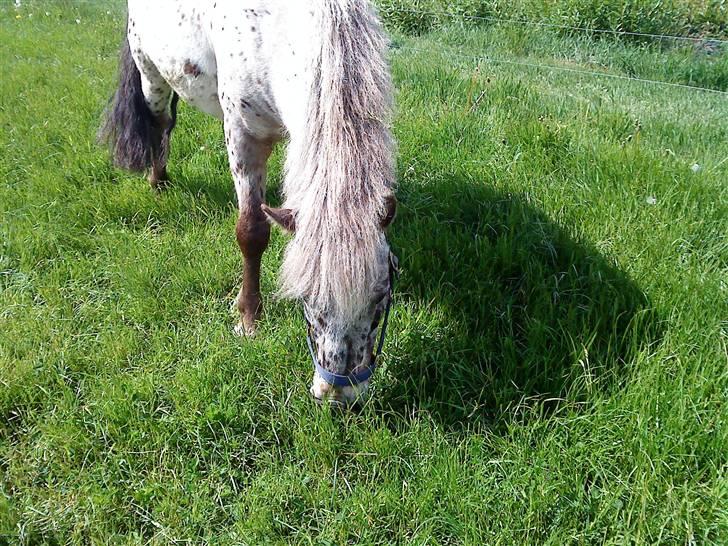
(349, 396)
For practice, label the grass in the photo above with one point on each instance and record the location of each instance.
(696, 18)
(556, 371)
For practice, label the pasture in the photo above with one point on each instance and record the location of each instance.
(555, 370)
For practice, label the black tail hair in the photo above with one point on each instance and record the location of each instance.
(129, 126)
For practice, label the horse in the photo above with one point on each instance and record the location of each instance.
(312, 73)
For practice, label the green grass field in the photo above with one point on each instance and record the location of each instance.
(681, 17)
(556, 367)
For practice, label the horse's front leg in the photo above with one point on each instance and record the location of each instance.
(248, 157)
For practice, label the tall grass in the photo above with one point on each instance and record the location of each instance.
(675, 17)
(555, 371)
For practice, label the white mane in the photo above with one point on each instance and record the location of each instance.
(340, 172)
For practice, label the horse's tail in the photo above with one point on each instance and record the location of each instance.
(128, 123)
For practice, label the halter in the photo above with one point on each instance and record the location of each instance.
(349, 380)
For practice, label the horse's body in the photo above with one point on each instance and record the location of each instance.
(313, 72)
(246, 48)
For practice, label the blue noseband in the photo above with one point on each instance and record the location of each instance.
(349, 380)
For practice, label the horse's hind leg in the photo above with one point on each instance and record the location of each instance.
(157, 93)
(248, 157)
(161, 136)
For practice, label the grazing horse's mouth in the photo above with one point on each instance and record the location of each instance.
(359, 380)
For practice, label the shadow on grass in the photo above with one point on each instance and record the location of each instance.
(219, 187)
(507, 315)
(221, 192)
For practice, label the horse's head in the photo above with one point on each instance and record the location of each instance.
(344, 348)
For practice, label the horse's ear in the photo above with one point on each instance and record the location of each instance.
(285, 218)
(390, 211)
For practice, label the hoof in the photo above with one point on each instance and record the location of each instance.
(159, 185)
(248, 323)
(241, 330)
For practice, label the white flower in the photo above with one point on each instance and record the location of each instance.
(78, 21)
(695, 168)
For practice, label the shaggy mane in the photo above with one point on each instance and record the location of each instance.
(340, 172)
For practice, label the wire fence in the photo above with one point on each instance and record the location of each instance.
(492, 19)
(482, 58)
(609, 75)
(552, 67)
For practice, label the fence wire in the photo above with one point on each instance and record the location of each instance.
(492, 60)
(492, 19)
(593, 73)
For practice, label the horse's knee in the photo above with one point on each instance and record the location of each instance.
(253, 235)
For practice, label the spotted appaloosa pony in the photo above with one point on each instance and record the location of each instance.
(314, 72)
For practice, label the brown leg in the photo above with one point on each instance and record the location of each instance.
(248, 157)
(161, 134)
(158, 177)
(253, 233)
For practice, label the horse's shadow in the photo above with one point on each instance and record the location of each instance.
(504, 314)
